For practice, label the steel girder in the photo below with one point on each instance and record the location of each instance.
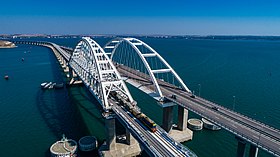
(111, 47)
(96, 70)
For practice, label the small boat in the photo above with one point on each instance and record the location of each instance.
(51, 85)
(47, 85)
(58, 85)
(6, 77)
(22, 59)
(43, 84)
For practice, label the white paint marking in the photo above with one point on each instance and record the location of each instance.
(233, 125)
(255, 136)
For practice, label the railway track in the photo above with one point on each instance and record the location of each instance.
(160, 144)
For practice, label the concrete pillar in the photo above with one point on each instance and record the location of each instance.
(66, 69)
(70, 72)
(240, 147)
(110, 133)
(167, 119)
(182, 118)
(61, 59)
(129, 139)
(63, 63)
(253, 151)
(74, 74)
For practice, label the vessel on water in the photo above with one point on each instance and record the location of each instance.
(46, 85)
(43, 84)
(6, 77)
(208, 125)
(51, 85)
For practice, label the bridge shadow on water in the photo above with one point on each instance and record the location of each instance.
(62, 109)
(82, 97)
(62, 116)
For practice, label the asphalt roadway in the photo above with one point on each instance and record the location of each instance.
(257, 133)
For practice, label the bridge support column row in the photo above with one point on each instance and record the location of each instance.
(61, 60)
(180, 133)
(241, 148)
(114, 147)
(168, 118)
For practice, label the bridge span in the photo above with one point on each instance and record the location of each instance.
(144, 68)
(89, 64)
(256, 133)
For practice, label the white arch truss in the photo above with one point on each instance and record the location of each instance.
(97, 72)
(111, 47)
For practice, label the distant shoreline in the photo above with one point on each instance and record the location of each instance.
(187, 37)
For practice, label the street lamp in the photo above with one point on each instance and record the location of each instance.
(199, 88)
(233, 105)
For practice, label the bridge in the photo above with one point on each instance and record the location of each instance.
(135, 62)
(89, 63)
(145, 69)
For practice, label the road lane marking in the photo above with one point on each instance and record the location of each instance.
(233, 125)
(255, 136)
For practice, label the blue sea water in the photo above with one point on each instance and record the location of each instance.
(32, 119)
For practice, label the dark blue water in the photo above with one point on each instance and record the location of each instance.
(32, 119)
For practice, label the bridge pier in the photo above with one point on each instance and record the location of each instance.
(253, 151)
(182, 118)
(180, 133)
(130, 140)
(167, 118)
(74, 80)
(112, 148)
(240, 147)
(110, 126)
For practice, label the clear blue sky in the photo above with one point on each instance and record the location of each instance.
(176, 17)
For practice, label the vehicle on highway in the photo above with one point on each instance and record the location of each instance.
(173, 96)
(192, 96)
(215, 108)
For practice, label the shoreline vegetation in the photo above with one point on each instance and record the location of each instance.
(6, 44)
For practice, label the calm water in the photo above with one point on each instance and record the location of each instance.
(32, 119)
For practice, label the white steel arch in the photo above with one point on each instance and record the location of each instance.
(113, 45)
(96, 70)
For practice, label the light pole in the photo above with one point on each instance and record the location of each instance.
(233, 105)
(199, 88)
